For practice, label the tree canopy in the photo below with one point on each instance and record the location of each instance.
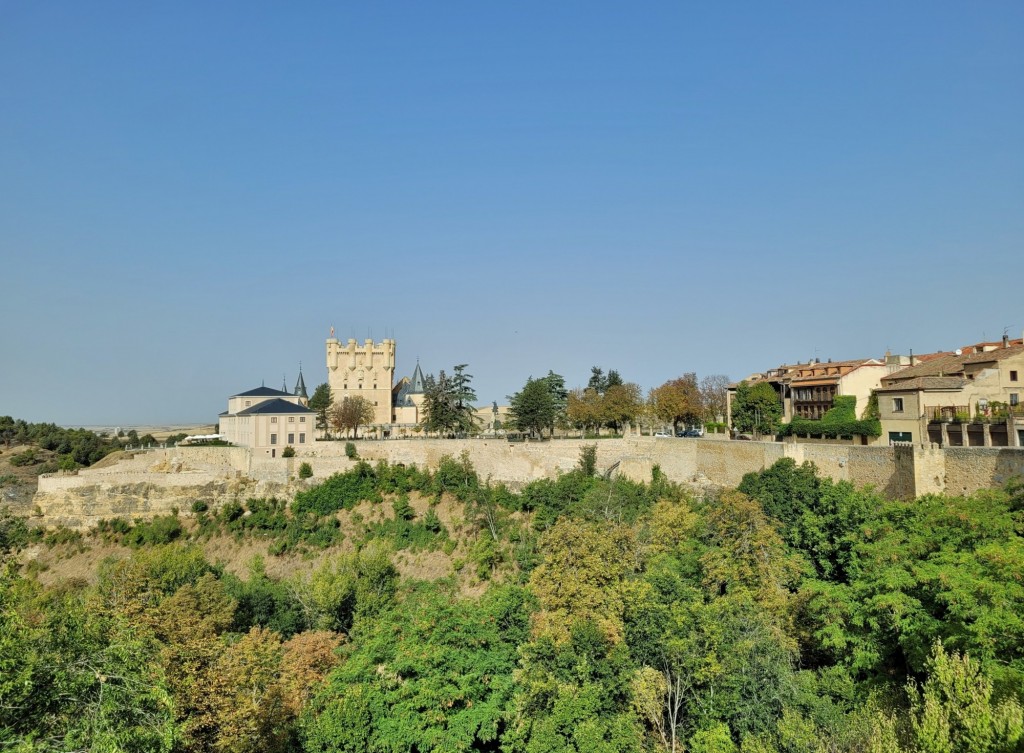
(756, 408)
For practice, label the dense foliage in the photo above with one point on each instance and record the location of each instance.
(73, 447)
(756, 408)
(839, 422)
(791, 614)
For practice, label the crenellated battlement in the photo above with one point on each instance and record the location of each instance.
(364, 370)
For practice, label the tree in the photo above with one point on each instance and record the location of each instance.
(954, 710)
(533, 408)
(433, 673)
(559, 395)
(321, 403)
(621, 403)
(583, 408)
(447, 403)
(714, 390)
(678, 401)
(756, 408)
(350, 414)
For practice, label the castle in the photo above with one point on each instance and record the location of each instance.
(367, 370)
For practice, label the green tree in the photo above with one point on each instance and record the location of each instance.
(756, 408)
(954, 711)
(447, 403)
(533, 409)
(432, 673)
(321, 403)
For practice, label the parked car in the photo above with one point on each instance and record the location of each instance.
(663, 435)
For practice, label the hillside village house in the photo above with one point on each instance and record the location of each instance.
(971, 397)
(807, 390)
(268, 420)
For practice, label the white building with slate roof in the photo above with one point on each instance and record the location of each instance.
(268, 420)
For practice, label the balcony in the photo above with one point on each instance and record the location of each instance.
(995, 412)
(947, 413)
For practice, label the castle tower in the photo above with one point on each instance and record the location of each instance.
(366, 371)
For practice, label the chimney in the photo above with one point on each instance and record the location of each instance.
(913, 361)
(1006, 340)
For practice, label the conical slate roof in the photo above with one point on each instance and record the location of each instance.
(416, 386)
(300, 386)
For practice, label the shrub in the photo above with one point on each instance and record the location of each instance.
(28, 457)
(342, 491)
(588, 460)
(288, 452)
(14, 532)
(350, 451)
(67, 463)
(839, 421)
(403, 510)
(200, 506)
(160, 530)
(457, 477)
(305, 471)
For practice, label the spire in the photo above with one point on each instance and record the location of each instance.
(284, 383)
(417, 386)
(300, 385)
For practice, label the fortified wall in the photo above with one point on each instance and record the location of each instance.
(154, 483)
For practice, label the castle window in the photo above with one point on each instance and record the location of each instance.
(291, 439)
(1013, 376)
(273, 419)
(273, 439)
(302, 438)
(248, 403)
(302, 419)
(897, 405)
(1014, 398)
(291, 419)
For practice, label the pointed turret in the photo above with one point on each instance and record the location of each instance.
(416, 385)
(284, 383)
(300, 385)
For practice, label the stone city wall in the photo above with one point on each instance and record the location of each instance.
(155, 482)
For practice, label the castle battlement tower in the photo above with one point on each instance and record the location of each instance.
(366, 371)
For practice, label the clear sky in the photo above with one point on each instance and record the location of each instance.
(192, 194)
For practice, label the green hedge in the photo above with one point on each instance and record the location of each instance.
(839, 421)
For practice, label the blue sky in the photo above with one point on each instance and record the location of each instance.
(192, 194)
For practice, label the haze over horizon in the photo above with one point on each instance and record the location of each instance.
(194, 195)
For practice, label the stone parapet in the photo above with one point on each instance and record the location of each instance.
(156, 482)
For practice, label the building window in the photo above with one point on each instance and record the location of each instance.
(1014, 398)
(291, 439)
(302, 439)
(273, 419)
(291, 419)
(273, 439)
(248, 403)
(1013, 376)
(302, 419)
(897, 405)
